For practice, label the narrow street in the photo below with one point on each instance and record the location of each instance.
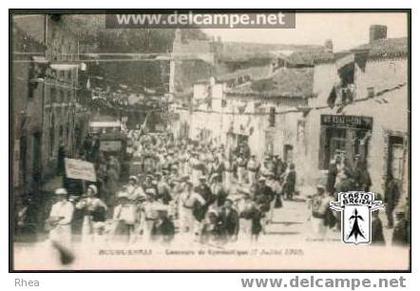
(162, 138)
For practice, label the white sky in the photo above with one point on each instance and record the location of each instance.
(346, 30)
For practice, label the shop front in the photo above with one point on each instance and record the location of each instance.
(344, 135)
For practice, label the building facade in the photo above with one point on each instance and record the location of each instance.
(266, 114)
(361, 110)
(46, 100)
(351, 103)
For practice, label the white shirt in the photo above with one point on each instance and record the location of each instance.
(63, 209)
(127, 212)
(135, 192)
(188, 199)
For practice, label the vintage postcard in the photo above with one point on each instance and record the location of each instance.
(210, 140)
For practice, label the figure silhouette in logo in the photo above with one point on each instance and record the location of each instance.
(355, 231)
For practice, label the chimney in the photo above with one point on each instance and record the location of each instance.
(329, 45)
(377, 32)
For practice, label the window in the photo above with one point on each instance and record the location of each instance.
(371, 92)
(59, 95)
(395, 163)
(52, 136)
(22, 159)
(36, 156)
(32, 83)
(53, 93)
(333, 142)
(272, 117)
(344, 135)
(288, 153)
(31, 89)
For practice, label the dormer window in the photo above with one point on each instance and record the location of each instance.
(371, 92)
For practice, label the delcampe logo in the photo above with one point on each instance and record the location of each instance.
(356, 215)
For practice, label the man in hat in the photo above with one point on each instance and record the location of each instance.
(212, 231)
(400, 235)
(241, 161)
(196, 168)
(229, 169)
(218, 190)
(188, 201)
(319, 205)
(125, 217)
(204, 190)
(264, 197)
(163, 229)
(148, 183)
(230, 220)
(61, 216)
(377, 230)
(217, 168)
(149, 212)
(332, 174)
(253, 167)
(173, 174)
(290, 182)
(93, 210)
(133, 189)
(361, 175)
(275, 187)
(266, 167)
(392, 196)
(280, 167)
(163, 189)
(250, 216)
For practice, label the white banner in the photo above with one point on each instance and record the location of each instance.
(79, 169)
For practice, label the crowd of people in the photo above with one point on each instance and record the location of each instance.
(195, 191)
(180, 186)
(344, 176)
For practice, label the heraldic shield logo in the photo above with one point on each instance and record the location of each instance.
(356, 215)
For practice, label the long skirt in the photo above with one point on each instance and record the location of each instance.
(242, 173)
(252, 177)
(318, 226)
(245, 230)
(187, 220)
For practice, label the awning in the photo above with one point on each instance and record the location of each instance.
(40, 60)
(63, 67)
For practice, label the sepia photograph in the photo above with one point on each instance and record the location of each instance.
(210, 140)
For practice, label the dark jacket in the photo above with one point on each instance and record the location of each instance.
(255, 216)
(205, 192)
(165, 229)
(346, 185)
(289, 186)
(230, 221)
(200, 211)
(377, 232)
(400, 235)
(392, 193)
(331, 177)
(362, 178)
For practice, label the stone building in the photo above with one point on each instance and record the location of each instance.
(266, 114)
(318, 104)
(362, 109)
(46, 99)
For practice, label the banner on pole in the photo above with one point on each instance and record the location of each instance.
(79, 169)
